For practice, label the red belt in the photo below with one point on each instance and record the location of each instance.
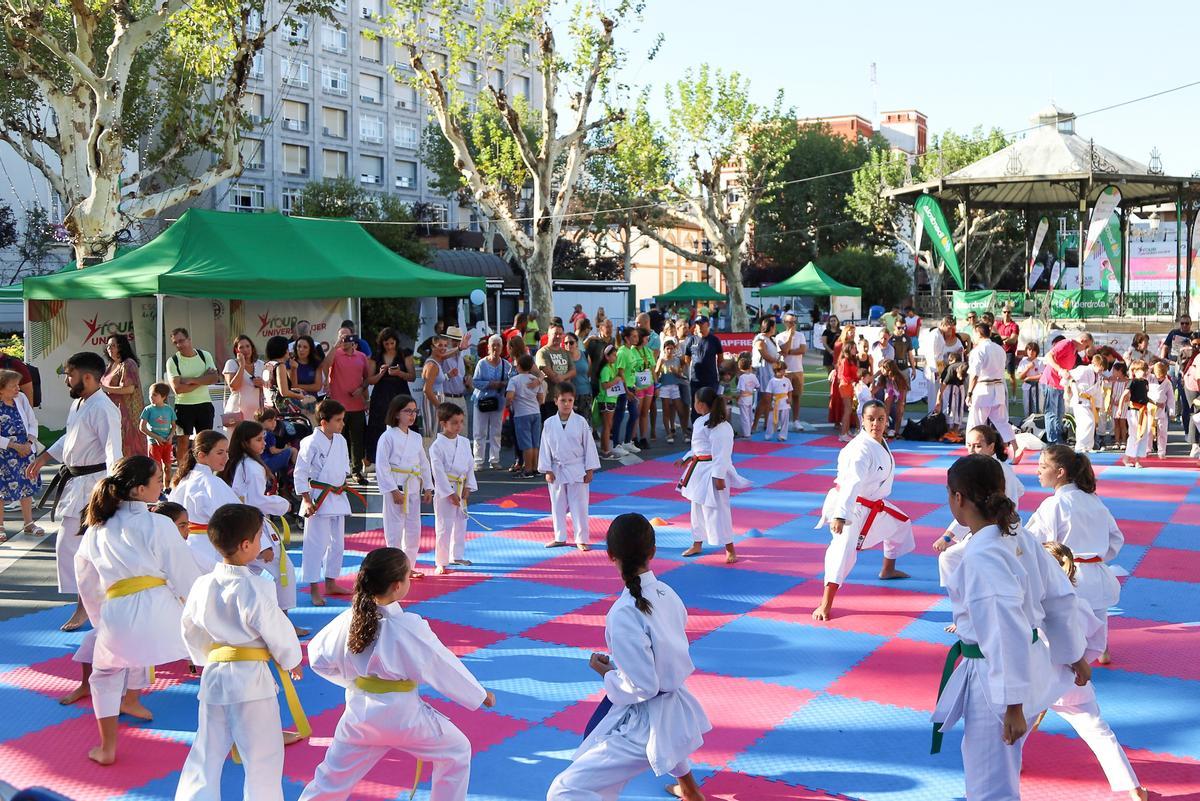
(1088, 560)
(876, 507)
(691, 468)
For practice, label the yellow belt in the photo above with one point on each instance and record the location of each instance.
(242, 653)
(378, 686)
(287, 540)
(775, 399)
(412, 474)
(460, 483)
(133, 585)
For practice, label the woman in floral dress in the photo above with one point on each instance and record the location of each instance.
(18, 443)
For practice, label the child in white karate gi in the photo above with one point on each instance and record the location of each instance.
(132, 568)
(249, 477)
(709, 475)
(1139, 414)
(1162, 395)
(322, 467)
(652, 721)
(857, 510)
(1087, 396)
(780, 390)
(1007, 597)
(747, 385)
(568, 458)
(453, 482)
(233, 626)
(405, 480)
(381, 655)
(1075, 516)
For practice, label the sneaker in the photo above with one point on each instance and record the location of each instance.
(618, 451)
(670, 438)
(610, 455)
(782, 437)
(844, 438)
(796, 426)
(631, 447)
(1195, 454)
(495, 465)
(531, 475)
(643, 444)
(479, 465)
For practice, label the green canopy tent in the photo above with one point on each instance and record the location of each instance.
(13, 292)
(691, 292)
(810, 281)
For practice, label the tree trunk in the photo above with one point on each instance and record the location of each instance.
(738, 318)
(539, 269)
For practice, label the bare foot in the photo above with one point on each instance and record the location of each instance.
(136, 709)
(317, 599)
(103, 756)
(893, 574)
(730, 558)
(333, 588)
(292, 737)
(695, 550)
(556, 544)
(1105, 658)
(76, 622)
(1139, 794)
(440, 570)
(583, 546)
(821, 613)
(78, 694)
(678, 791)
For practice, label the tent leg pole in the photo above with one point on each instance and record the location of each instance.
(159, 303)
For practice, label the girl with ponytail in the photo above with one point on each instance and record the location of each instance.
(132, 569)
(709, 475)
(1008, 597)
(647, 718)
(381, 655)
(1076, 517)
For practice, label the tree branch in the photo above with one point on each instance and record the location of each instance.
(27, 24)
(690, 255)
(25, 149)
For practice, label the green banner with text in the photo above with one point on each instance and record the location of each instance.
(1079, 304)
(934, 223)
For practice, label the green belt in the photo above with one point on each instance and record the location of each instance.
(966, 650)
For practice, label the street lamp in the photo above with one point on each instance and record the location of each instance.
(704, 248)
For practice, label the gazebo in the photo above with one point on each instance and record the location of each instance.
(1054, 168)
(692, 292)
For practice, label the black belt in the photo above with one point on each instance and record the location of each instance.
(62, 478)
(453, 395)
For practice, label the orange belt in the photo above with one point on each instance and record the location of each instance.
(876, 507)
(327, 489)
(197, 528)
(691, 468)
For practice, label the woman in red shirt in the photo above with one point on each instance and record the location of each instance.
(847, 376)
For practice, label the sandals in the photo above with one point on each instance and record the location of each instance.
(33, 530)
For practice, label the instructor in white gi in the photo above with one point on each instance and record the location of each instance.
(987, 396)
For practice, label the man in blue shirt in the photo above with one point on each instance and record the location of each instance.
(703, 352)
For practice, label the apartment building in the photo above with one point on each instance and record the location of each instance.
(327, 106)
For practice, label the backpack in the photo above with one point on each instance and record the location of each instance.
(929, 428)
(205, 357)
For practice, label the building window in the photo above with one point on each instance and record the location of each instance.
(404, 134)
(333, 121)
(370, 129)
(258, 69)
(340, 5)
(524, 86)
(334, 40)
(370, 88)
(406, 96)
(438, 214)
(294, 71)
(297, 30)
(295, 116)
(403, 58)
(371, 171)
(496, 79)
(335, 80)
(406, 174)
(288, 200)
(295, 159)
(254, 22)
(246, 197)
(467, 74)
(336, 164)
(370, 48)
(252, 154)
(368, 9)
(252, 104)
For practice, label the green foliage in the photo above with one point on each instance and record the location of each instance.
(15, 347)
(882, 281)
(399, 313)
(797, 222)
(343, 198)
(8, 226)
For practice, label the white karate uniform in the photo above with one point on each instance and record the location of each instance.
(402, 464)
(949, 559)
(250, 485)
(711, 515)
(93, 436)
(202, 492)
(138, 631)
(865, 471)
(372, 724)
(654, 721)
(232, 606)
(747, 385)
(1080, 521)
(1005, 587)
(780, 390)
(989, 398)
(1162, 395)
(324, 459)
(447, 458)
(569, 452)
(1087, 396)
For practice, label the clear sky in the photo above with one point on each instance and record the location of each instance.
(963, 64)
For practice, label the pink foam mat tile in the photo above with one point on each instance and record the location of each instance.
(59, 676)
(575, 717)
(651, 468)
(804, 559)
(1043, 778)
(436, 586)
(913, 458)
(862, 608)
(56, 758)
(1032, 499)
(660, 492)
(1187, 514)
(759, 447)
(900, 673)
(741, 711)
(1140, 532)
(924, 537)
(1169, 564)
(701, 622)
(535, 499)
(463, 640)
(588, 571)
(1148, 646)
(781, 464)
(827, 441)
(922, 475)
(365, 541)
(803, 482)
(583, 628)
(728, 785)
(1144, 490)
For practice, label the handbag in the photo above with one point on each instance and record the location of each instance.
(489, 403)
(231, 419)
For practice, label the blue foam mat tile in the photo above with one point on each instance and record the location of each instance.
(1178, 535)
(533, 680)
(1131, 509)
(232, 782)
(1156, 599)
(859, 749)
(650, 507)
(505, 605)
(498, 554)
(727, 589)
(921, 568)
(1151, 475)
(1193, 496)
(27, 712)
(931, 626)
(789, 654)
(1130, 555)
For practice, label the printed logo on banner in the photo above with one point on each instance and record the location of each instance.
(99, 332)
(270, 325)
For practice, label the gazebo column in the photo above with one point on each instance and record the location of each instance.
(966, 260)
(1123, 280)
(1179, 231)
(1189, 226)
(1028, 256)
(1082, 223)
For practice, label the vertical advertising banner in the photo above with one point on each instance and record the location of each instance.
(1034, 269)
(934, 222)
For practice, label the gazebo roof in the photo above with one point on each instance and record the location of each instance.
(1051, 167)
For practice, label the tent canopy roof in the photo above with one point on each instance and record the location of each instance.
(690, 291)
(1051, 167)
(214, 254)
(810, 281)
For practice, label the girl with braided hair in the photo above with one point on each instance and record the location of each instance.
(381, 654)
(1019, 631)
(648, 717)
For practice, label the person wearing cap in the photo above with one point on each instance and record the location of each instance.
(1063, 357)
(703, 350)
